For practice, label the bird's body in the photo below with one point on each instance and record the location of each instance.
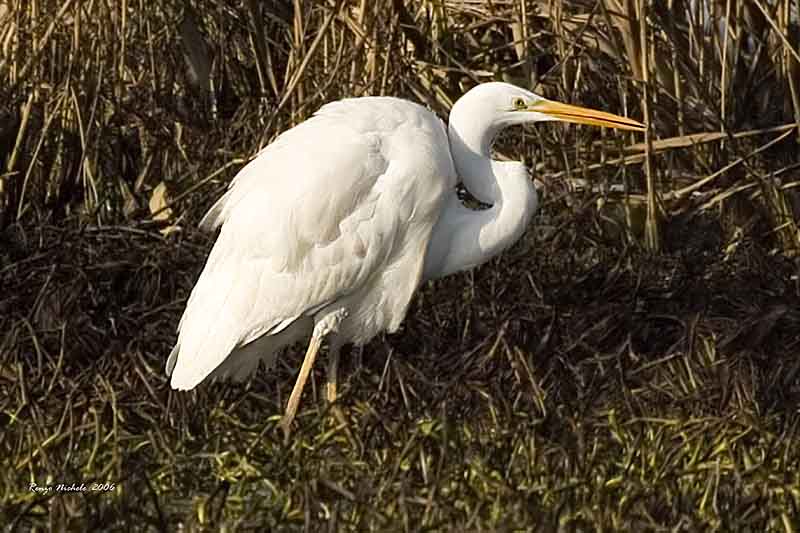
(343, 226)
(330, 230)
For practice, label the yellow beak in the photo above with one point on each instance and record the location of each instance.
(583, 115)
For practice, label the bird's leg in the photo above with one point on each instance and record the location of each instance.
(333, 369)
(294, 398)
(321, 329)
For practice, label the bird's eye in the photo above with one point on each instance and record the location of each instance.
(518, 103)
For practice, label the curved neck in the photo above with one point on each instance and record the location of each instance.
(471, 135)
(464, 238)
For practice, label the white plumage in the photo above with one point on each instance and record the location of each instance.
(332, 227)
(335, 211)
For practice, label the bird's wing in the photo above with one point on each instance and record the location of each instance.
(318, 214)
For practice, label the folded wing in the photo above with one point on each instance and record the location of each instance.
(322, 212)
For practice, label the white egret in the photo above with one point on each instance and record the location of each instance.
(328, 232)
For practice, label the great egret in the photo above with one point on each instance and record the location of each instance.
(332, 227)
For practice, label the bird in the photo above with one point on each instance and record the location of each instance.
(328, 232)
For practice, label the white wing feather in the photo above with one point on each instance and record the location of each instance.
(341, 203)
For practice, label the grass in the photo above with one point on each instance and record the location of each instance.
(601, 394)
(632, 364)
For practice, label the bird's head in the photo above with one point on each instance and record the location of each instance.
(479, 115)
(497, 105)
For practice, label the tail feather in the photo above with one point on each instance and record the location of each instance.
(172, 359)
(216, 215)
(244, 360)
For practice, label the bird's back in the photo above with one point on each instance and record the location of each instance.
(338, 209)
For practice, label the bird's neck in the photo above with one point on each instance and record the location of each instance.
(514, 205)
(464, 238)
(471, 140)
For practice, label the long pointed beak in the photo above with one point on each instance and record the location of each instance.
(583, 115)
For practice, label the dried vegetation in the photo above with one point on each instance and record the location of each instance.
(633, 364)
